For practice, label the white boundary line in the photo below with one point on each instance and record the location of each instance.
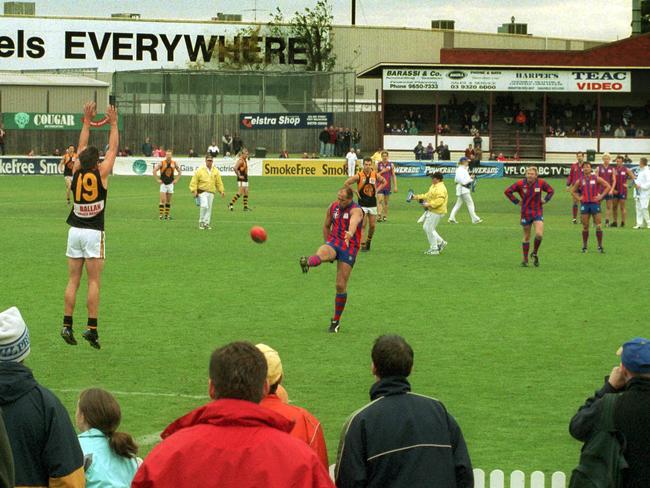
(140, 393)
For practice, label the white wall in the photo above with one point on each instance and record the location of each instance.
(625, 146)
(570, 144)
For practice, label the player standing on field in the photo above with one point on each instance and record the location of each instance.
(435, 203)
(386, 169)
(463, 193)
(167, 168)
(590, 189)
(368, 183)
(342, 234)
(66, 164)
(532, 212)
(241, 170)
(606, 172)
(574, 176)
(621, 174)
(86, 239)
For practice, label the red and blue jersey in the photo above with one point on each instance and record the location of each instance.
(340, 225)
(590, 188)
(388, 175)
(607, 173)
(575, 174)
(620, 180)
(531, 197)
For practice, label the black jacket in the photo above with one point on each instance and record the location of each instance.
(402, 439)
(6, 458)
(43, 441)
(631, 418)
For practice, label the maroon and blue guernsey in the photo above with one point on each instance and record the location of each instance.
(620, 180)
(388, 175)
(607, 173)
(340, 225)
(531, 196)
(575, 174)
(590, 188)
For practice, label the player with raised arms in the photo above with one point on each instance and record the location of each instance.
(166, 168)
(66, 165)
(342, 234)
(532, 211)
(86, 240)
(621, 175)
(574, 176)
(590, 189)
(241, 171)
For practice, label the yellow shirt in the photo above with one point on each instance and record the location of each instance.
(436, 197)
(205, 179)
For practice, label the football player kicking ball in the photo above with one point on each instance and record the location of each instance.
(591, 189)
(342, 233)
(532, 212)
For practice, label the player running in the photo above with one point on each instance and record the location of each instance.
(66, 165)
(574, 176)
(464, 182)
(606, 172)
(619, 192)
(86, 238)
(167, 167)
(342, 234)
(532, 212)
(368, 184)
(241, 170)
(386, 169)
(590, 189)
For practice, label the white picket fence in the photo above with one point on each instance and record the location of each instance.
(497, 479)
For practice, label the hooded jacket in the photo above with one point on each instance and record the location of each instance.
(402, 440)
(44, 444)
(231, 443)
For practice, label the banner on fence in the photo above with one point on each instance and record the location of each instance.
(286, 121)
(27, 165)
(135, 166)
(447, 168)
(52, 121)
(305, 167)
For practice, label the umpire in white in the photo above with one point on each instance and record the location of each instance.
(642, 194)
(435, 203)
(463, 193)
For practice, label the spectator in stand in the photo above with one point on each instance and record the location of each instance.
(388, 129)
(56, 152)
(306, 427)
(323, 139)
(446, 153)
(45, 448)
(627, 159)
(439, 129)
(232, 442)
(237, 144)
(469, 152)
(356, 139)
(413, 130)
(559, 132)
(347, 139)
(401, 439)
(507, 118)
(478, 141)
(429, 152)
(305, 155)
(419, 151)
(6, 458)
(439, 150)
(110, 456)
(627, 392)
(332, 141)
(520, 119)
(446, 129)
(627, 116)
(284, 154)
(213, 149)
(639, 132)
(476, 162)
(147, 148)
(501, 157)
(516, 156)
(551, 131)
(128, 151)
(403, 129)
(395, 129)
(314, 155)
(619, 132)
(191, 153)
(607, 127)
(630, 131)
(226, 142)
(473, 130)
(339, 146)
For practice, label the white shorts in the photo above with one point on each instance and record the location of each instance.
(167, 188)
(369, 210)
(86, 243)
(243, 184)
(68, 179)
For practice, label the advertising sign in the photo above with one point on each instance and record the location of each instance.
(52, 121)
(286, 121)
(19, 165)
(304, 167)
(516, 80)
(448, 169)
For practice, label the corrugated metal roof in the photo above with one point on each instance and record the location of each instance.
(47, 79)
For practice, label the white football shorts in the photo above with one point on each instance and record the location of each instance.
(369, 210)
(86, 243)
(167, 188)
(243, 184)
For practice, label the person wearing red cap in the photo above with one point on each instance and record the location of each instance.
(629, 382)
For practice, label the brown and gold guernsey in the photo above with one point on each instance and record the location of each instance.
(89, 200)
(243, 170)
(68, 164)
(367, 189)
(167, 171)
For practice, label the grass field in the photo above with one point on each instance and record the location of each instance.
(512, 352)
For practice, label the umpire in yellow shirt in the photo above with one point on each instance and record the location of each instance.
(205, 182)
(435, 203)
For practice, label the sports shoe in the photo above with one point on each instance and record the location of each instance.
(68, 200)
(91, 336)
(584, 250)
(524, 264)
(477, 221)
(207, 227)
(334, 326)
(248, 209)
(452, 221)
(622, 224)
(201, 226)
(442, 245)
(367, 246)
(230, 207)
(535, 260)
(68, 335)
(432, 252)
(601, 250)
(574, 221)
(304, 264)
(160, 217)
(637, 227)
(614, 224)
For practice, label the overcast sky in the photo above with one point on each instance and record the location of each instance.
(578, 19)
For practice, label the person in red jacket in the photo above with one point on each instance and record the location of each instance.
(306, 427)
(232, 441)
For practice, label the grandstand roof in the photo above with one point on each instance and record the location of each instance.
(48, 79)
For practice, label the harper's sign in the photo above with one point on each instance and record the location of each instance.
(507, 80)
(286, 121)
(50, 121)
(119, 45)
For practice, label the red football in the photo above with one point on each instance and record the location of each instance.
(258, 234)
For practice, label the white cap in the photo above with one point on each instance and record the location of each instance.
(14, 336)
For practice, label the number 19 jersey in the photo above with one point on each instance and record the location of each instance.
(89, 200)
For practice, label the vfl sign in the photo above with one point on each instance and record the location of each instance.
(286, 121)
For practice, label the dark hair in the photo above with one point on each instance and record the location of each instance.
(367, 160)
(101, 411)
(238, 370)
(580, 152)
(437, 175)
(643, 161)
(392, 356)
(89, 157)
